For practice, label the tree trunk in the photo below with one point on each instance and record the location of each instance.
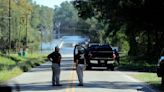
(149, 43)
(162, 80)
(133, 44)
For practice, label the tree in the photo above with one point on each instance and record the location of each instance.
(25, 17)
(66, 16)
(143, 19)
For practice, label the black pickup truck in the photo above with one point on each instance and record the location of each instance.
(98, 56)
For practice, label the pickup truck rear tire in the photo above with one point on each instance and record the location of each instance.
(111, 67)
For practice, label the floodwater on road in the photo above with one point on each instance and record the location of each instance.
(66, 45)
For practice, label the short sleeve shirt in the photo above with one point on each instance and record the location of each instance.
(55, 57)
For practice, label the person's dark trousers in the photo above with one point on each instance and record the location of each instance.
(79, 70)
(55, 74)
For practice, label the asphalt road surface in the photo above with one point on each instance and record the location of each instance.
(97, 80)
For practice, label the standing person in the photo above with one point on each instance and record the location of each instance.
(24, 52)
(117, 56)
(80, 61)
(55, 58)
(161, 66)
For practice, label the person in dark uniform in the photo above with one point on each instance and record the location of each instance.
(55, 58)
(117, 56)
(80, 63)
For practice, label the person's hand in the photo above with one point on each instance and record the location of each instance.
(75, 64)
(50, 59)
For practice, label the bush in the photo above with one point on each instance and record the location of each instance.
(25, 67)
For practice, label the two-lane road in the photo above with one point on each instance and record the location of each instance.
(39, 80)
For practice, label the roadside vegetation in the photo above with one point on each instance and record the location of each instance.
(146, 72)
(151, 79)
(125, 24)
(128, 63)
(29, 25)
(128, 25)
(13, 65)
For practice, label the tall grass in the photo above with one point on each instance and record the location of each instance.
(6, 63)
(13, 65)
(8, 74)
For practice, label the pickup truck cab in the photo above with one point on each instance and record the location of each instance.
(98, 56)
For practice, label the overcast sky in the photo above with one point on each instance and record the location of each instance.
(50, 3)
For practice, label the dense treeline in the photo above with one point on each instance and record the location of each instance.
(65, 18)
(21, 23)
(68, 22)
(140, 21)
(135, 26)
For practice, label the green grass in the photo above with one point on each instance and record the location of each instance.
(8, 74)
(151, 79)
(14, 65)
(6, 63)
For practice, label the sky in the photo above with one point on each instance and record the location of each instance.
(50, 3)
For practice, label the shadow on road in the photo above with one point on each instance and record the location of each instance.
(116, 85)
(67, 66)
(46, 86)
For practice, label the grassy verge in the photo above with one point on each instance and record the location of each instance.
(151, 79)
(8, 74)
(14, 65)
(148, 72)
(142, 66)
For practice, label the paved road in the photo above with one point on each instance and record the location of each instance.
(39, 80)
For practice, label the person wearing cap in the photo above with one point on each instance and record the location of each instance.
(55, 58)
(80, 62)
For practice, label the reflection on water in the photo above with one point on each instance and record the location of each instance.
(48, 47)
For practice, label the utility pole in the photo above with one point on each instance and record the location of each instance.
(41, 40)
(41, 36)
(26, 30)
(41, 29)
(9, 27)
(58, 29)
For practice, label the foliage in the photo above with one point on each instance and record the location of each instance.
(8, 74)
(65, 18)
(129, 63)
(151, 79)
(67, 21)
(25, 17)
(143, 20)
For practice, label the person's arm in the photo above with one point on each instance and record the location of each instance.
(75, 60)
(50, 57)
